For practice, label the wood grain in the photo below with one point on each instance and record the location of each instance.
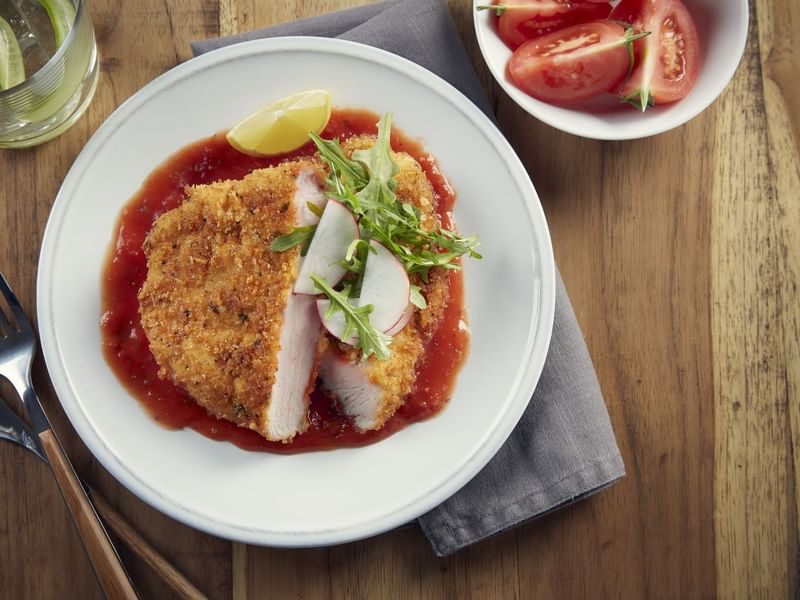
(132, 539)
(681, 254)
(756, 317)
(109, 570)
(630, 254)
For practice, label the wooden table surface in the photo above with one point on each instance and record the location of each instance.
(681, 254)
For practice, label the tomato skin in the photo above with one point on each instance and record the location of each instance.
(629, 11)
(669, 60)
(528, 19)
(573, 64)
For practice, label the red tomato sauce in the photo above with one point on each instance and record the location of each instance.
(126, 347)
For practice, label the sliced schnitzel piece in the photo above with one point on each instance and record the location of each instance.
(371, 392)
(217, 305)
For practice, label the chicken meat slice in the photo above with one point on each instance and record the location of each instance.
(217, 304)
(371, 392)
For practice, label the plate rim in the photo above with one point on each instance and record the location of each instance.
(525, 382)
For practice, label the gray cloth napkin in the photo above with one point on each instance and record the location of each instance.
(563, 448)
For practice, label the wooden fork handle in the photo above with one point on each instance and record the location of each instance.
(110, 572)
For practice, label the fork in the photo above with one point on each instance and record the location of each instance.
(17, 347)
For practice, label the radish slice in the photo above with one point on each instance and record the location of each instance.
(402, 322)
(335, 323)
(336, 230)
(385, 286)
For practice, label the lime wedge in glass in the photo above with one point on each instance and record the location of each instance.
(62, 16)
(12, 69)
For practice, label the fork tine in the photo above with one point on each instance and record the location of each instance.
(19, 315)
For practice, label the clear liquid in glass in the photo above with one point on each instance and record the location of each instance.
(33, 29)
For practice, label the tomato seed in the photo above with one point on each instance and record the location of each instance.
(673, 44)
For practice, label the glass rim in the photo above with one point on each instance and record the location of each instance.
(59, 53)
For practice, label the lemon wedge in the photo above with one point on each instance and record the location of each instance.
(12, 69)
(282, 126)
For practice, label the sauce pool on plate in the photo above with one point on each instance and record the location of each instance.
(126, 347)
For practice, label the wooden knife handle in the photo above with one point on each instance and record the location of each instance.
(110, 573)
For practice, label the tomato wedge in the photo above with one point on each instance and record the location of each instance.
(629, 11)
(670, 55)
(572, 64)
(523, 20)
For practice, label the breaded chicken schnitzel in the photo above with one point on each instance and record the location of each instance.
(218, 309)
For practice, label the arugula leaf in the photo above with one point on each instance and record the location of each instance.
(298, 235)
(417, 299)
(498, 9)
(356, 318)
(314, 209)
(630, 37)
(381, 167)
(641, 98)
(331, 152)
(354, 261)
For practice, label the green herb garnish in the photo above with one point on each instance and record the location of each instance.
(498, 9)
(298, 235)
(366, 185)
(641, 98)
(417, 299)
(314, 209)
(356, 320)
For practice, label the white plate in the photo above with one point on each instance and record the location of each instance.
(322, 497)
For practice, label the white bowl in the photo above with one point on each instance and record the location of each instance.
(315, 498)
(722, 29)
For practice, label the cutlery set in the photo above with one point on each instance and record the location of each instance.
(17, 349)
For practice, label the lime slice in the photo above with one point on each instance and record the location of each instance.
(282, 126)
(62, 16)
(12, 69)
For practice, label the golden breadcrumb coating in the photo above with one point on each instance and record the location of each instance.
(213, 302)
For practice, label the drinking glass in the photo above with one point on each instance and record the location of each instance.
(53, 97)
